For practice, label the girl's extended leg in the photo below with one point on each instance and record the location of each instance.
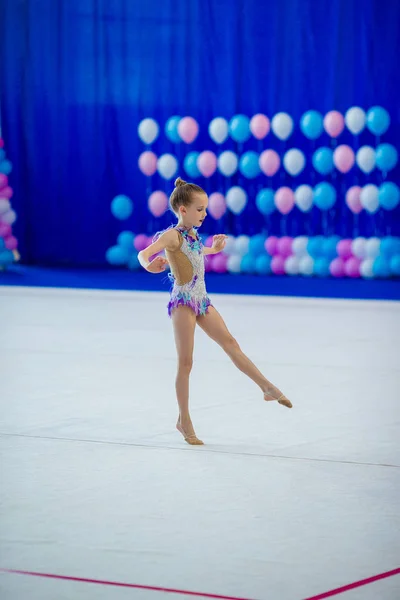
(184, 323)
(214, 326)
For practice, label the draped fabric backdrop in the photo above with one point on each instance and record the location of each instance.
(76, 77)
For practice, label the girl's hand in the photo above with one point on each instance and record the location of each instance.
(158, 265)
(219, 242)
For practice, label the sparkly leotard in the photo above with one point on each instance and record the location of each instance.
(187, 273)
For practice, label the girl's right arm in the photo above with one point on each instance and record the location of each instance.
(168, 240)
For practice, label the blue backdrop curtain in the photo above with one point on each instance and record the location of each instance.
(76, 77)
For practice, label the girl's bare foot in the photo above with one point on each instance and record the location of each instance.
(274, 394)
(186, 429)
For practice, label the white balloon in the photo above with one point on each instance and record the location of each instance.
(4, 205)
(148, 130)
(372, 247)
(369, 198)
(294, 161)
(366, 268)
(236, 199)
(230, 245)
(303, 197)
(167, 166)
(242, 244)
(299, 245)
(292, 265)
(282, 125)
(355, 119)
(218, 130)
(358, 247)
(233, 264)
(366, 159)
(228, 163)
(306, 265)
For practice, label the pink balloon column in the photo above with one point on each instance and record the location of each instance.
(271, 245)
(284, 246)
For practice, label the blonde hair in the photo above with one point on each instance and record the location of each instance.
(182, 194)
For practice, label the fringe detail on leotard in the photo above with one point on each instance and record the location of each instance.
(198, 307)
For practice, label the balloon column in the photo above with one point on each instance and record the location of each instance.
(8, 242)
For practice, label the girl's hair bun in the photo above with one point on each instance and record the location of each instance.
(179, 182)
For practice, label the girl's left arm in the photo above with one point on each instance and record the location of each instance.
(218, 245)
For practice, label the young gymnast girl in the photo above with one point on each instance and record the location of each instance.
(189, 304)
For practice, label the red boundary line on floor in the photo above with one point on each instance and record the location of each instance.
(335, 592)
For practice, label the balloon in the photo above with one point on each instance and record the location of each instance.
(299, 245)
(321, 267)
(343, 157)
(220, 263)
(11, 242)
(366, 159)
(269, 162)
(315, 246)
(4, 205)
(322, 160)
(5, 230)
(306, 265)
(242, 244)
(344, 249)
(294, 161)
(3, 181)
(271, 245)
(395, 265)
(282, 125)
(369, 198)
(2, 154)
(190, 164)
(333, 123)
(133, 262)
(329, 246)
(121, 207)
(125, 240)
(278, 265)
(389, 195)
(218, 130)
(353, 199)
(148, 130)
(228, 163)
(352, 267)
(188, 129)
(265, 201)
(378, 120)
(247, 264)
(116, 255)
(256, 245)
(263, 265)
(141, 242)
(386, 157)
(303, 197)
(7, 192)
(336, 268)
(284, 200)
(381, 267)
(292, 265)
(390, 246)
(239, 128)
(355, 119)
(236, 199)
(358, 247)
(311, 124)
(208, 241)
(207, 163)
(158, 203)
(6, 258)
(171, 129)
(9, 217)
(372, 247)
(367, 268)
(2, 244)
(5, 167)
(148, 163)
(248, 164)
(324, 195)
(230, 245)
(1, 142)
(284, 246)
(259, 126)
(167, 166)
(234, 263)
(216, 205)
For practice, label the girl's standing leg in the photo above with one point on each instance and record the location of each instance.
(184, 323)
(214, 326)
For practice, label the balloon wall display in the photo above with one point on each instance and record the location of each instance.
(8, 217)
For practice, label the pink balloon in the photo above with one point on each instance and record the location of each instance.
(1, 143)
(344, 158)
(209, 241)
(9, 217)
(5, 229)
(219, 263)
(336, 268)
(207, 163)
(141, 242)
(3, 181)
(269, 162)
(343, 248)
(352, 267)
(11, 242)
(284, 200)
(284, 246)
(216, 205)
(188, 129)
(353, 199)
(158, 203)
(260, 126)
(278, 265)
(6, 192)
(148, 163)
(334, 123)
(271, 245)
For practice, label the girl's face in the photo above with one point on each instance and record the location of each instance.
(194, 215)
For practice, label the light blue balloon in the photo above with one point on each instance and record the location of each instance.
(6, 258)
(121, 207)
(171, 129)
(125, 240)
(2, 244)
(378, 120)
(389, 195)
(190, 164)
(248, 165)
(248, 264)
(263, 265)
(265, 201)
(116, 255)
(256, 245)
(321, 267)
(239, 128)
(386, 157)
(395, 265)
(324, 195)
(5, 167)
(133, 262)
(322, 160)
(315, 246)
(390, 246)
(329, 246)
(312, 124)
(381, 267)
